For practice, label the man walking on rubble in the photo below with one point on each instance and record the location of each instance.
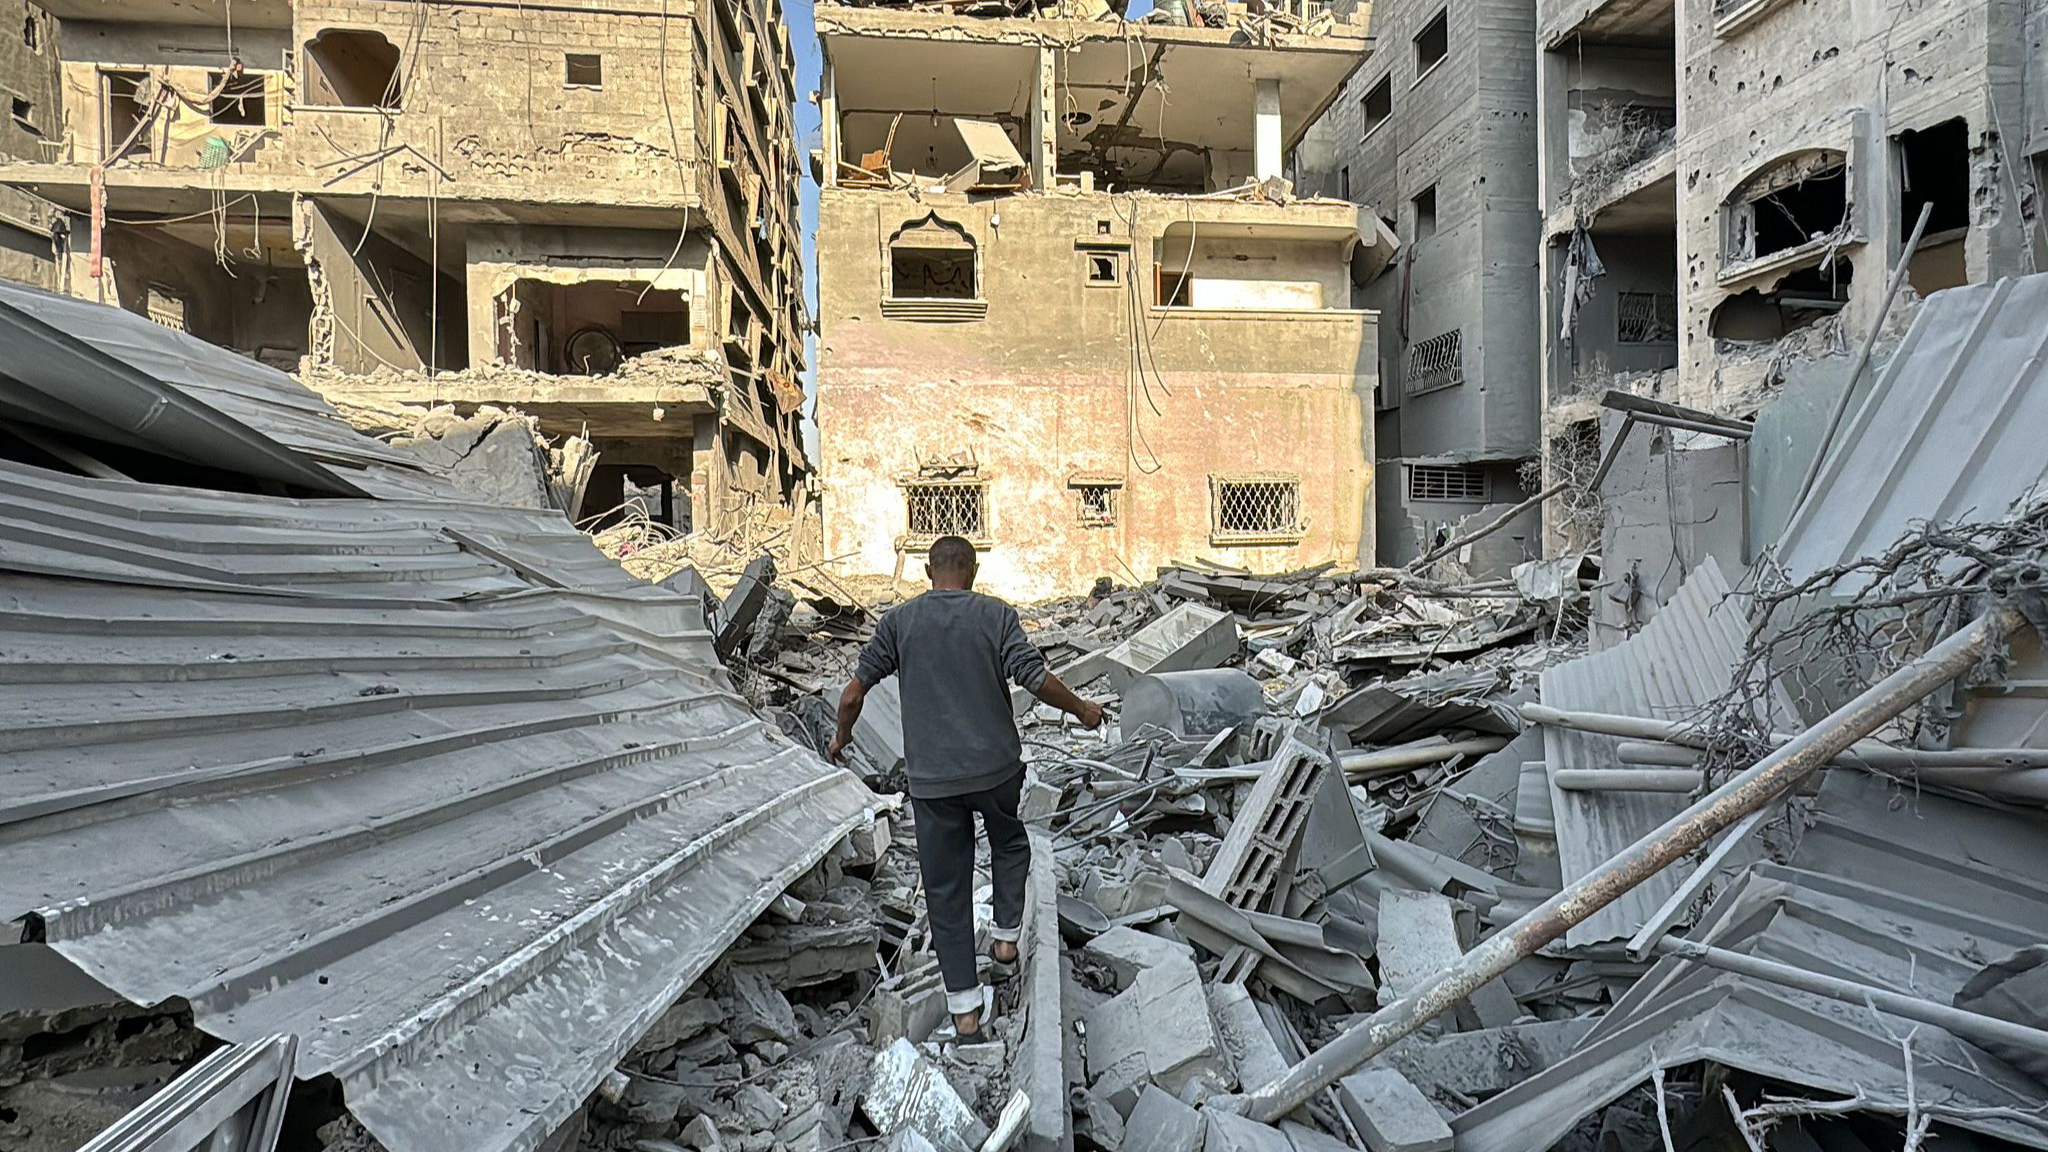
(951, 650)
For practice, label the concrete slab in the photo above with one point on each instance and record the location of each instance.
(1231, 1133)
(1038, 1064)
(879, 731)
(1158, 1031)
(1125, 952)
(1391, 1113)
(1487, 1062)
(1162, 1123)
(907, 1091)
(1254, 1052)
(1418, 938)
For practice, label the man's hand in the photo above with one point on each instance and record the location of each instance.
(1089, 714)
(836, 750)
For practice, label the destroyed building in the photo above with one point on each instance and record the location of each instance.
(586, 212)
(1436, 134)
(1070, 309)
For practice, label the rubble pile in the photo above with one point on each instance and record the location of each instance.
(1325, 790)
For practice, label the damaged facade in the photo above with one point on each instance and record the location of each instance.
(1436, 135)
(585, 211)
(1068, 307)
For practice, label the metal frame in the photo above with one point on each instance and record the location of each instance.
(232, 1101)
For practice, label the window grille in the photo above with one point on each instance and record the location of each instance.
(1097, 504)
(954, 509)
(1647, 318)
(1252, 510)
(1446, 482)
(1438, 362)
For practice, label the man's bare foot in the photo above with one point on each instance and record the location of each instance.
(967, 1025)
(1003, 951)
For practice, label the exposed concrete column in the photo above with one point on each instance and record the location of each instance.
(1266, 130)
(828, 115)
(1044, 143)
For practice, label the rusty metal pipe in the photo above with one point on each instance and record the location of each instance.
(1745, 793)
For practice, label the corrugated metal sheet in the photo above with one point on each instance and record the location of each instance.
(440, 790)
(1953, 427)
(1679, 661)
(1911, 893)
(245, 392)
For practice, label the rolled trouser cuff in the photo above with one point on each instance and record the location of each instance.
(961, 1003)
(1006, 935)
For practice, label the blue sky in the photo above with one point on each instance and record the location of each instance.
(803, 39)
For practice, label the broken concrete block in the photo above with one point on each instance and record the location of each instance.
(1039, 801)
(1157, 1031)
(1105, 1125)
(760, 1011)
(1190, 636)
(1254, 1053)
(869, 842)
(1162, 1123)
(801, 955)
(1125, 952)
(1484, 1063)
(1418, 938)
(681, 1022)
(1307, 1139)
(879, 731)
(1231, 1133)
(907, 1140)
(1391, 1113)
(907, 1091)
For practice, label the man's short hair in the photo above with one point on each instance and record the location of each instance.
(951, 554)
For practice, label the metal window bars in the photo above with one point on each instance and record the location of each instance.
(1646, 318)
(1438, 362)
(1255, 509)
(946, 509)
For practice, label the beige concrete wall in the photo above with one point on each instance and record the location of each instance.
(500, 256)
(1044, 389)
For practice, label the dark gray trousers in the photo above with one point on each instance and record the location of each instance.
(945, 855)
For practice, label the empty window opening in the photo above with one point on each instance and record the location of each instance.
(127, 97)
(582, 70)
(1438, 362)
(1433, 43)
(1799, 299)
(1425, 213)
(1104, 269)
(350, 69)
(931, 274)
(1460, 483)
(587, 329)
(1378, 104)
(1799, 202)
(1344, 182)
(240, 102)
(1934, 169)
(1255, 509)
(951, 509)
(1646, 318)
(1097, 504)
(31, 35)
(24, 115)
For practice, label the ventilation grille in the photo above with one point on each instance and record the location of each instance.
(1438, 362)
(1444, 482)
(935, 311)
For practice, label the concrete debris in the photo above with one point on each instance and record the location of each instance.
(907, 1091)
(1392, 1114)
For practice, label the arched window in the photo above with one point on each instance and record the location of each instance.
(933, 259)
(1792, 202)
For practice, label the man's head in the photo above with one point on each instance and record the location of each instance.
(950, 564)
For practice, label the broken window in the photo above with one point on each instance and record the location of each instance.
(24, 115)
(1438, 362)
(1433, 43)
(1378, 104)
(582, 70)
(953, 508)
(126, 99)
(30, 35)
(1255, 509)
(240, 101)
(1799, 201)
(1454, 482)
(1795, 301)
(166, 306)
(351, 69)
(1425, 213)
(1934, 170)
(1097, 501)
(1646, 318)
(931, 274)
(1104, 269)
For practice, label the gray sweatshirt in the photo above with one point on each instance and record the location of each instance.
(951, 651)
